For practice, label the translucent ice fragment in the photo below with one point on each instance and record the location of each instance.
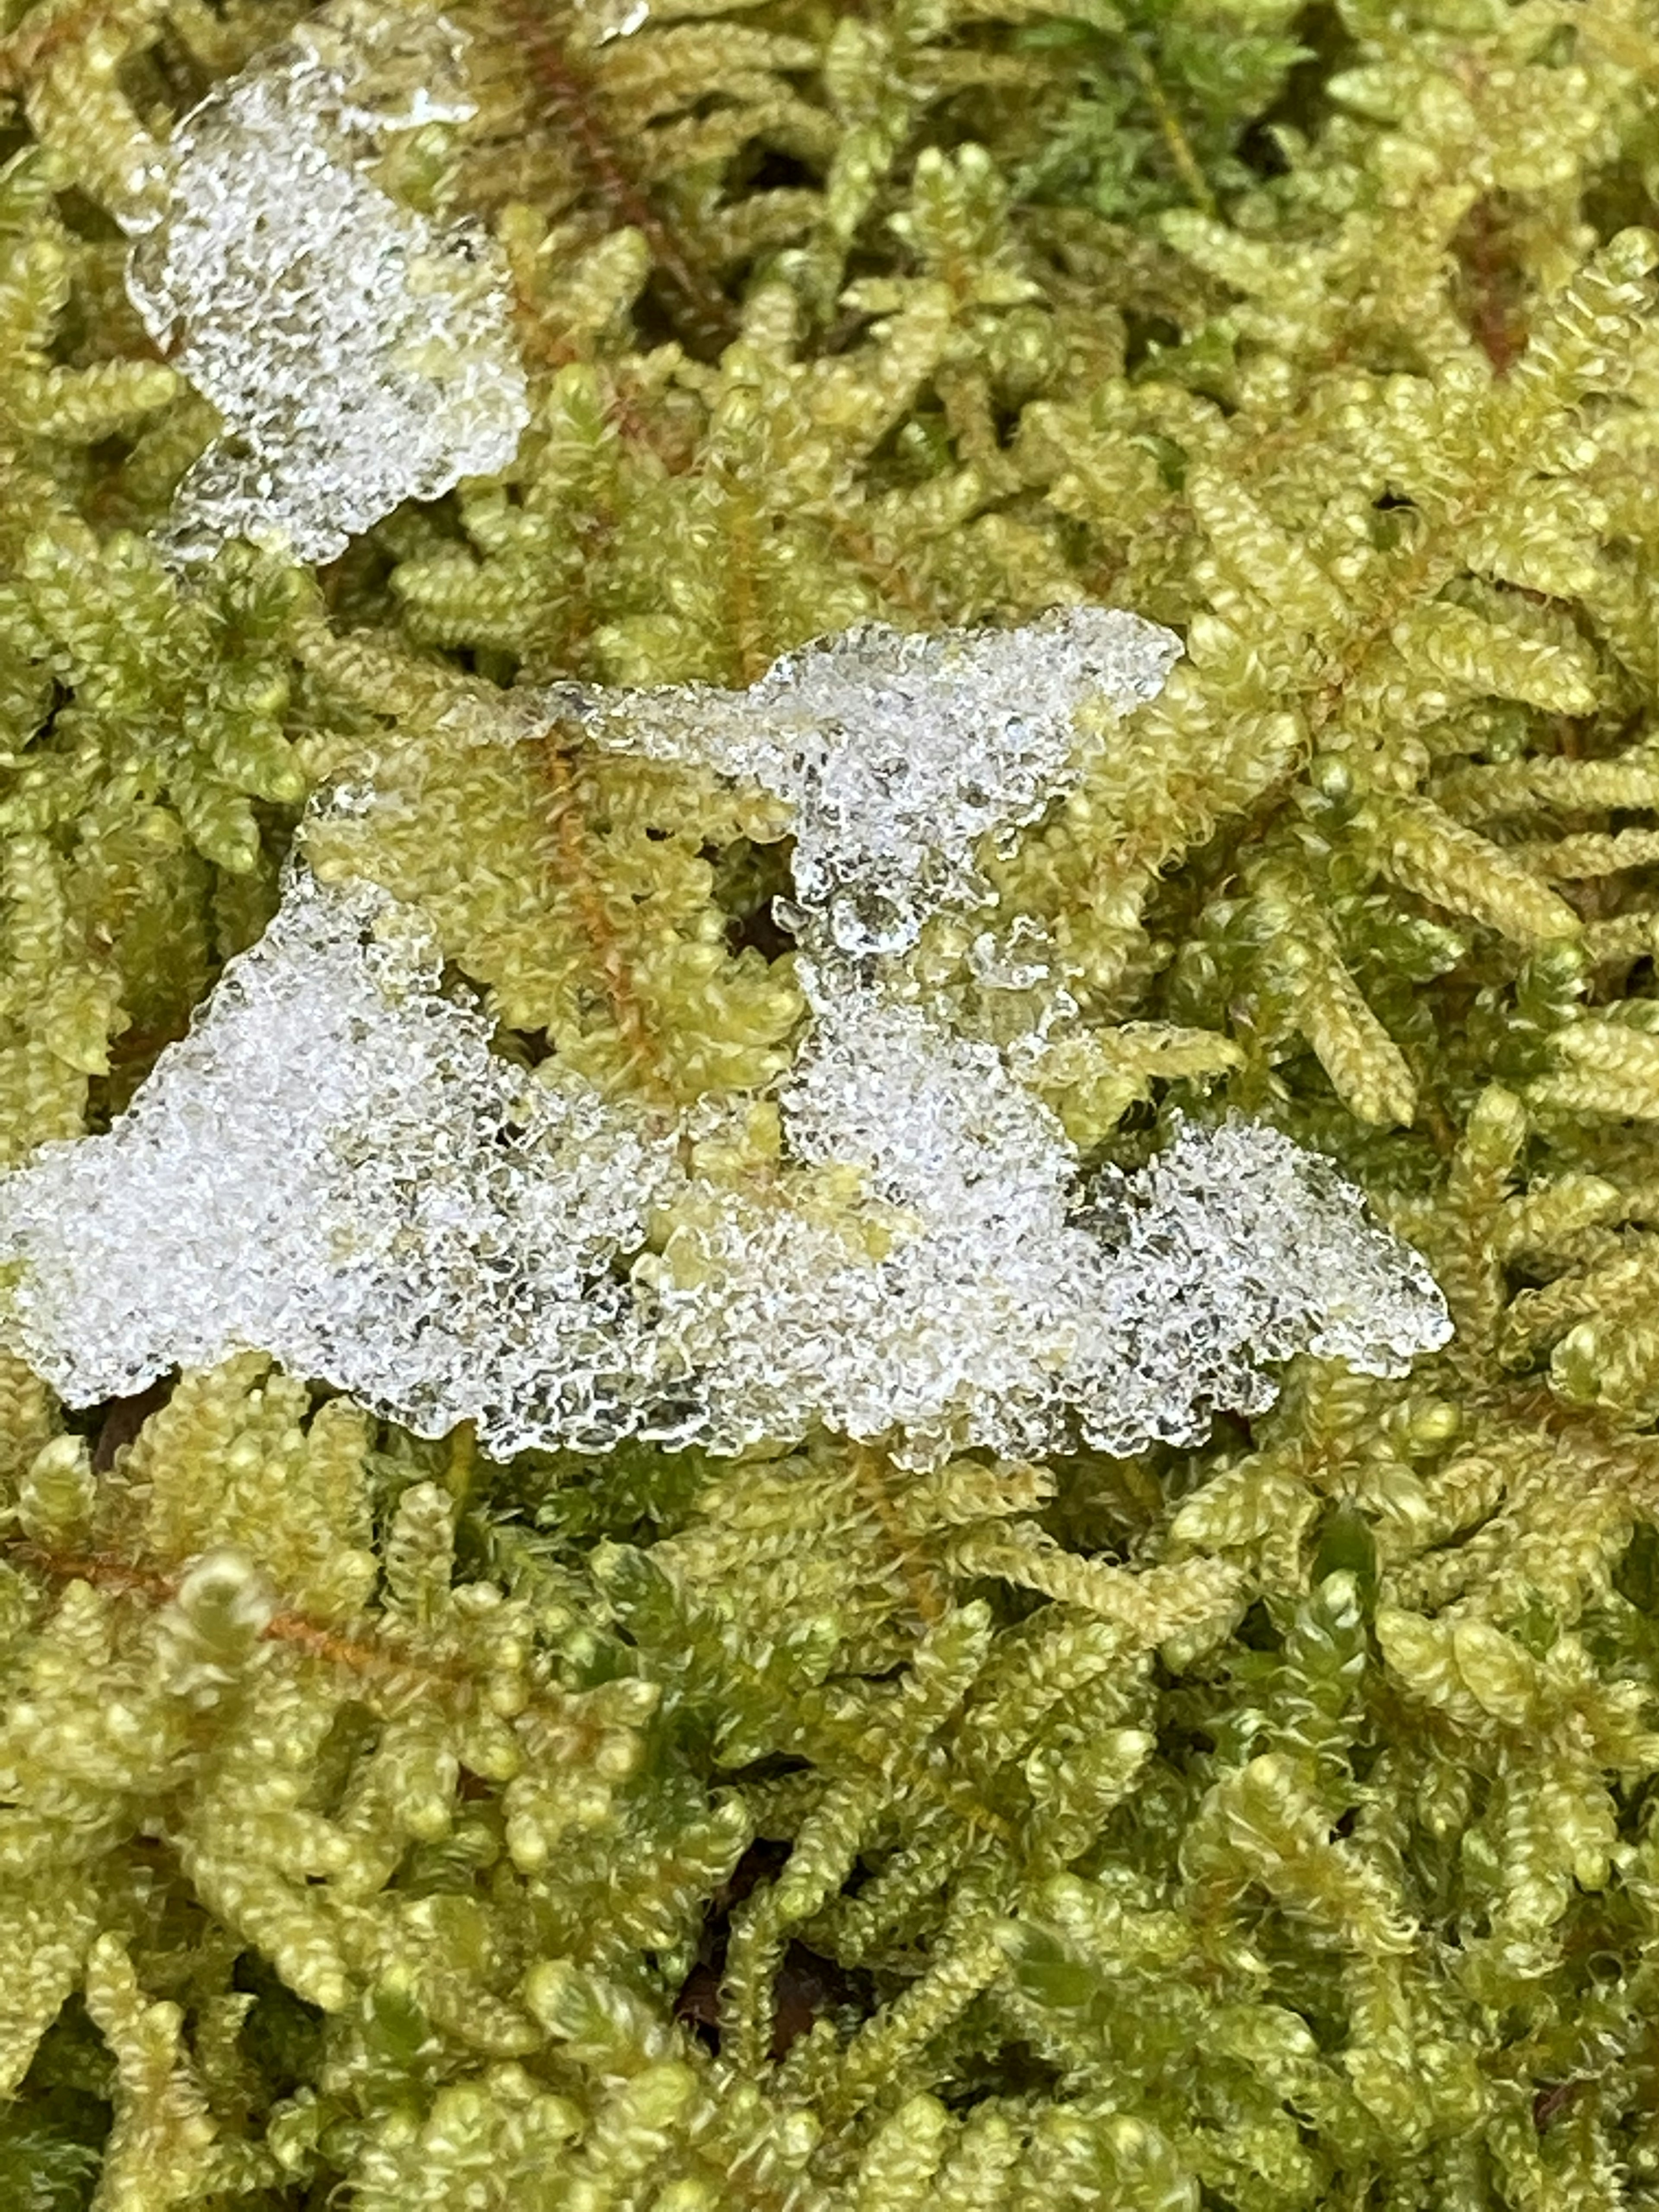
(358, 354)
(1233, 1250)
(606, 20)
(899, 753)
(954, 1319)
(333, 1168)
(989, 1308)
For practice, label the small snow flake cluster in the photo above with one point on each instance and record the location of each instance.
(898, 753)
(335, 1169)
(358, 354)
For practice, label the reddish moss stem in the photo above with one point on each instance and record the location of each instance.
(572, 104)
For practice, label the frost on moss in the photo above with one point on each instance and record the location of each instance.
(448, 1258)
(334, 1170)
(1263, 1822)
(1003, 1311)
(358, 354)
(898, 754)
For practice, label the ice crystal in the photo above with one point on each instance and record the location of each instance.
(602, 21)
(998, 1310)
(335, 1169)
(358, 354)
(953, 1318)
(899, 754)
(1231, 1251)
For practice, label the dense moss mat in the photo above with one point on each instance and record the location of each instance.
(1260, 1826)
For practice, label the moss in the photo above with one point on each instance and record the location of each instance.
(1260, 1826)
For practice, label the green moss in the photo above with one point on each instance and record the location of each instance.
(1259, 1827)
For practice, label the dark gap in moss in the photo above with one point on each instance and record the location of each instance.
(1636, 1574)
(1620, 198)
(352, 1734)
(1261, 150)
(1557, 2101)
(808, 1985)
(1014, 2068)
(636, 1494)
(115, 1423)
(1328, 47)
(52, 2134)
(87, 219)
(1256, 1631)
(165, 74)
(656, 322)
(770, 169)
(1143, 334)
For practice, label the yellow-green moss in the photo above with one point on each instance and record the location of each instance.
(1261, 1827)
